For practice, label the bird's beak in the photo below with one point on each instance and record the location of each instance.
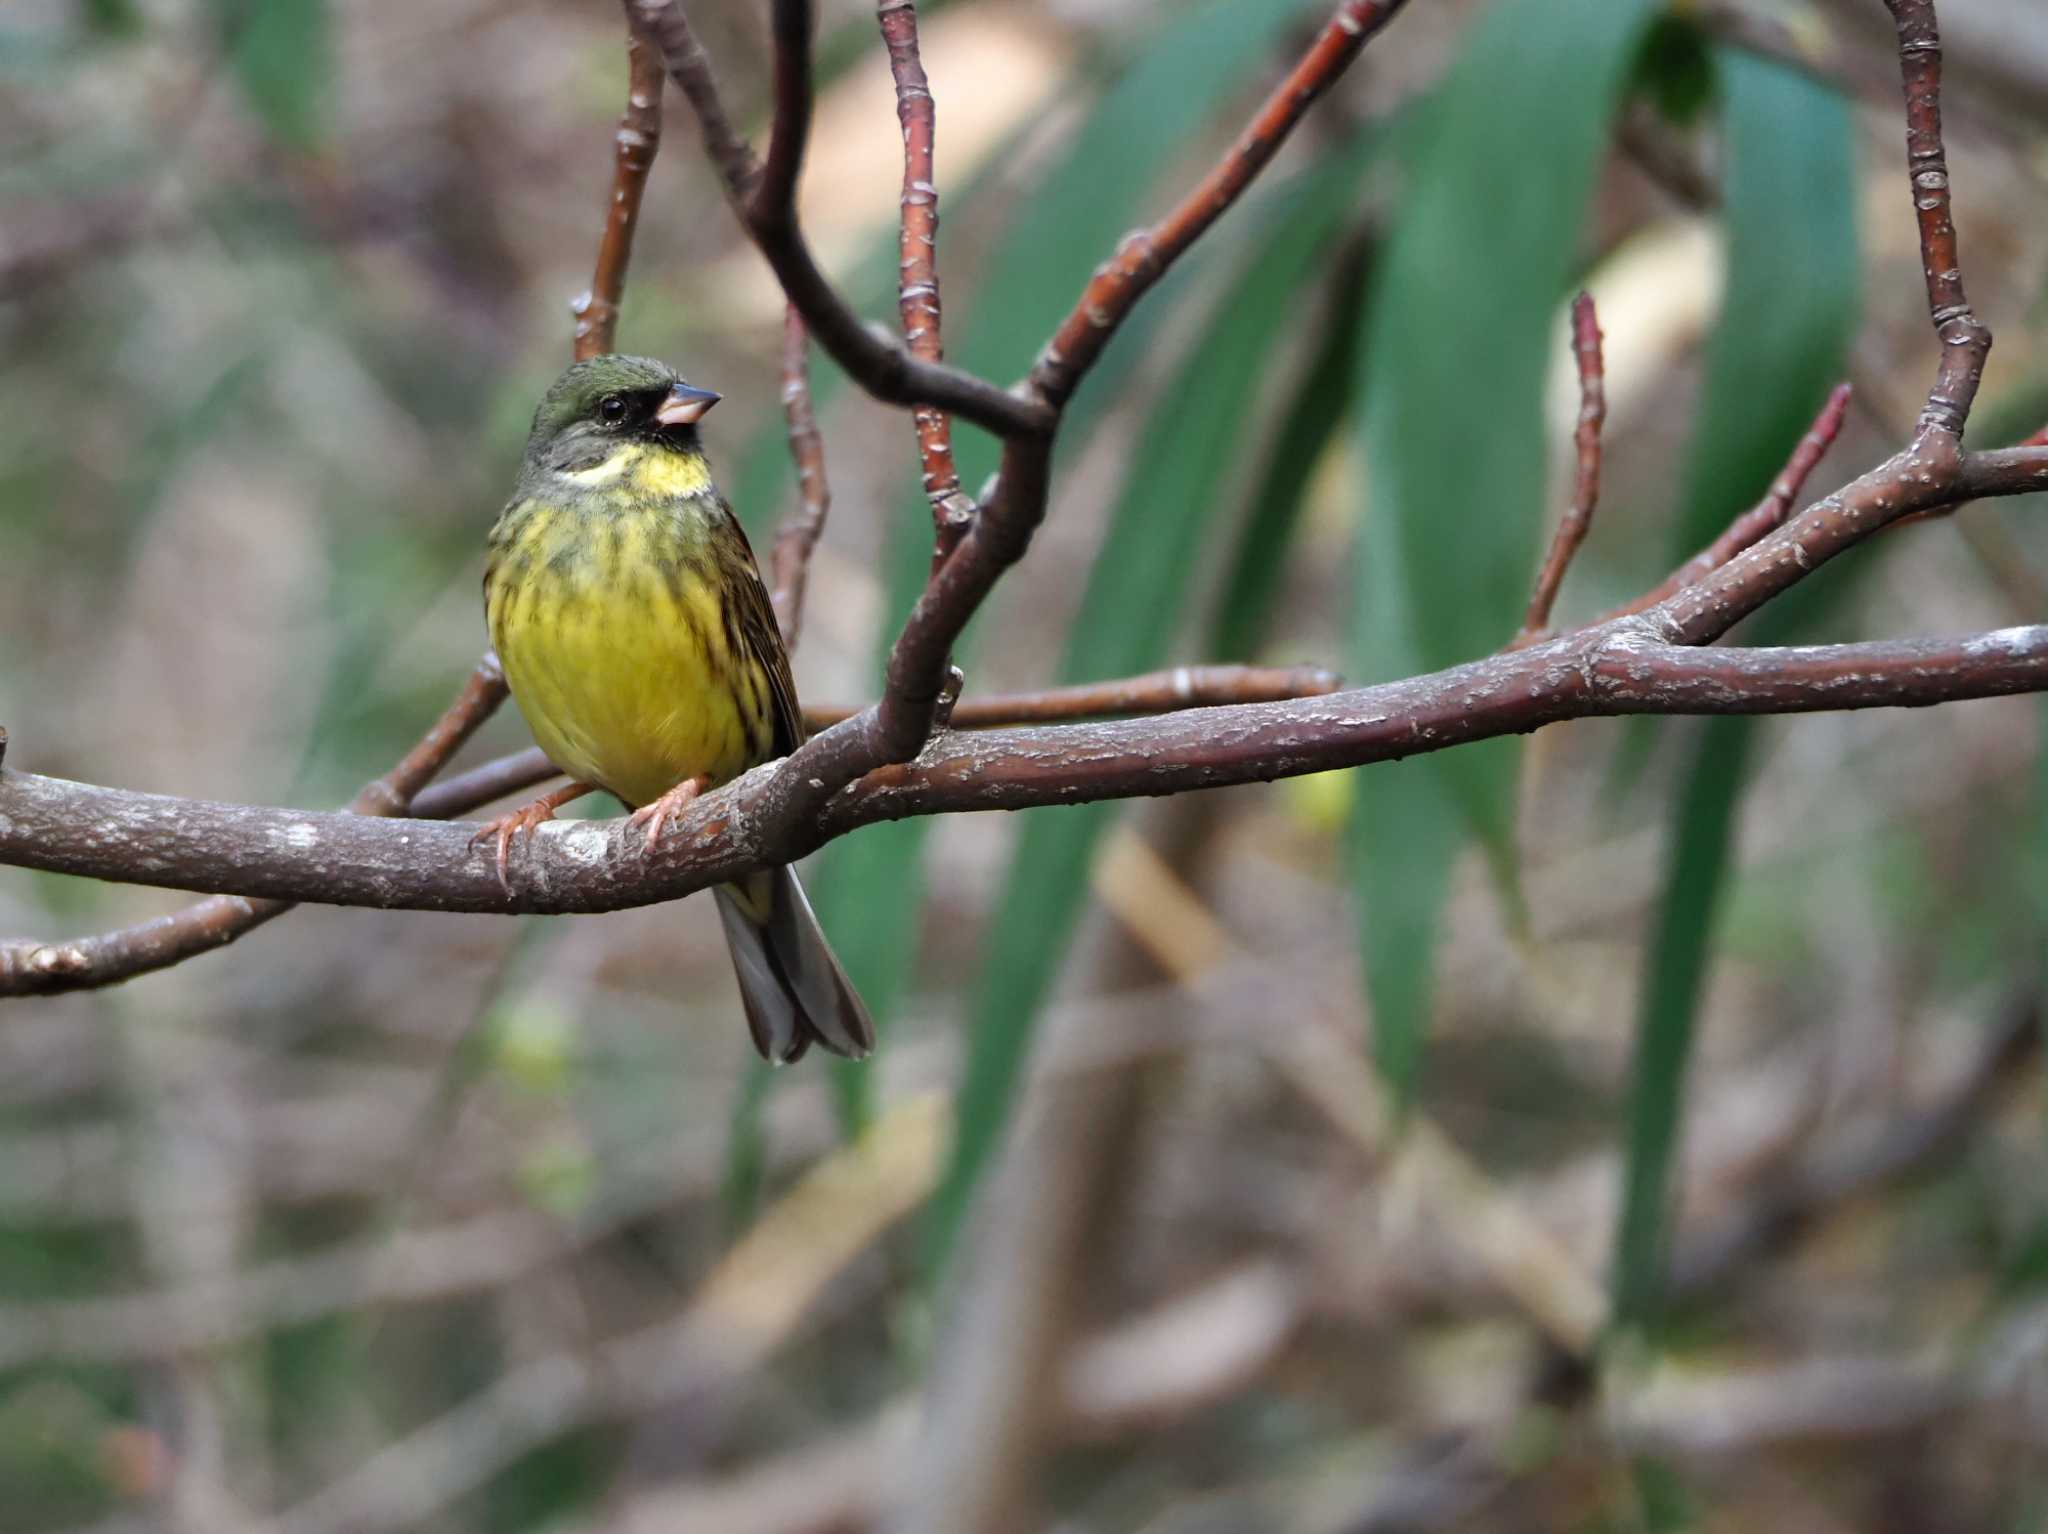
(685, 406)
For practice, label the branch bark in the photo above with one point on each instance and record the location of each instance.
(582, 866)
(917, 294)
(635, 145)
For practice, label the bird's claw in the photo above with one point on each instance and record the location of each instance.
(656, 816)
(523, 821)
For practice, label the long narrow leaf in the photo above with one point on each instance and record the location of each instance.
(1789, 312)
(1457, 340)
(1129, 615)
(1322, 400)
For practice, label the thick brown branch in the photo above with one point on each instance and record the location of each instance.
(596, 866)
(797, 539)
(917, 293)
(1144, 255)
(1578, 518)
(884, 367)
(29, 968)
(1965, 342)
(639, 136)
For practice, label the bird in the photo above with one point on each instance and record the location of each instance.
(638, 640)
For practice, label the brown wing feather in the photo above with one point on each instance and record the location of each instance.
(763, 637)
(792, 985)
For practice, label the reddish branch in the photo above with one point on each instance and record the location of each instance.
(1578, 520)
(635, 144)
(790, 559)
(917, 294)
(1144, 256)
(1965, 343)
(1156, 692)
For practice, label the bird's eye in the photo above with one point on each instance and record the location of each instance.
(612, 409)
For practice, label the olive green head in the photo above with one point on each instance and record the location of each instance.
(603, 401)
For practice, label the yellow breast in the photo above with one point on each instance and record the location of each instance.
(604, 608)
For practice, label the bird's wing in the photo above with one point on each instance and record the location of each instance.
(763, 639)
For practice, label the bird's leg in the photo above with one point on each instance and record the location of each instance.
(655, 816)
(524, 821)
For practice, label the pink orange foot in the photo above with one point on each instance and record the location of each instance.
(524, 821)
(657, 815)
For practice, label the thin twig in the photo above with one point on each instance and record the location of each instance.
(1965, 342)
(790, 559)
(1761, 519)
(917, 294)
(1155, 692)
(635, 145)
(1145, 255)
(1578, 520)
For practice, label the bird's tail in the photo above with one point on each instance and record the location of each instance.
(790, 982)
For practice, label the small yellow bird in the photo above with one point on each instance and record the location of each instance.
(638, 639)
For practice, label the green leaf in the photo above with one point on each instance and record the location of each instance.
(1700, 837)
(1457, 344)
(1129, 615)
(282, 55)
(1792, 294)
(1323, 397)
(1788, 314)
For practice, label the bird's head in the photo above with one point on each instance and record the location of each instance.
(604, 402)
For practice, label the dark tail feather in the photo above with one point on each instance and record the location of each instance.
(790, 983)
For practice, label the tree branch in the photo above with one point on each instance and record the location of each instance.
(582, 866)
(1761, 519)
(917, 296)
(1145, 255)
(31, 968)
(638, 139)
(1965, 342)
